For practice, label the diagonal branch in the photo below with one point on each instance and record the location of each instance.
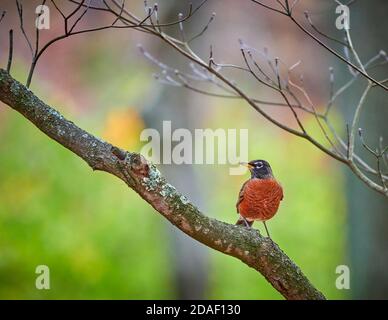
(247, 245)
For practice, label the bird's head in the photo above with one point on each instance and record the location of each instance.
(260, 169)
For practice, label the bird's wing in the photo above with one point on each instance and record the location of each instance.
(240, 195)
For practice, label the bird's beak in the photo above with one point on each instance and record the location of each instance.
(246, 164)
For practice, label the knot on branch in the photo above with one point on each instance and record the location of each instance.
(133, 166)
(139, 164)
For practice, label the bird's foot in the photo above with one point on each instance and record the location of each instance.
(246, 223)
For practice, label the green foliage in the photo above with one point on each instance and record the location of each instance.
(98, 238)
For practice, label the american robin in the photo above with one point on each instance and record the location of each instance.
(260, 196)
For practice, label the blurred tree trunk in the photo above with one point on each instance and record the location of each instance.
(368, 210)
(190, 259)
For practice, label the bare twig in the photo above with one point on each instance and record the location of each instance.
(356, 118)
(308, 18)
(204, 28)
(321, 43)
(70, 30)
(2, 15)
(379, 154)
(21, 19)
(10, 51)
(269, 7)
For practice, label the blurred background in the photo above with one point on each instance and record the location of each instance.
(101, 241)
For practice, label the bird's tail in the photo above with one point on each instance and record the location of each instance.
(244, 222)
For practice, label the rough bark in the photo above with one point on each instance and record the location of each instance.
(247, 245)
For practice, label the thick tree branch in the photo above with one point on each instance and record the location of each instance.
(247, 245)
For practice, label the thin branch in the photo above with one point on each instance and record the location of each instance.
(70, 32)
(21, 20)
(356, 117)
(368, 65)
(10, 51)
(58, 9)
(269, 7)
(286, 8)
(184, 81)
(269, 83)
(35, 53)
(308, 18)
(383, 151)
(331, 99)
(307, 97)
(2, 15)
(378, 154)
(354, 52)
(293, 5)
(136, 20)
(338, 55)
(204, 28)
(366, 180)
(80, 17)
(345, 146)
(320, 42)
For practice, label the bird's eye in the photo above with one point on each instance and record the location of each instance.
(259, 165)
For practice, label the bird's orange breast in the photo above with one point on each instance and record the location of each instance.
(260, 199)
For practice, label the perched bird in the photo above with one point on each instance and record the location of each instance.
(260, 196)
